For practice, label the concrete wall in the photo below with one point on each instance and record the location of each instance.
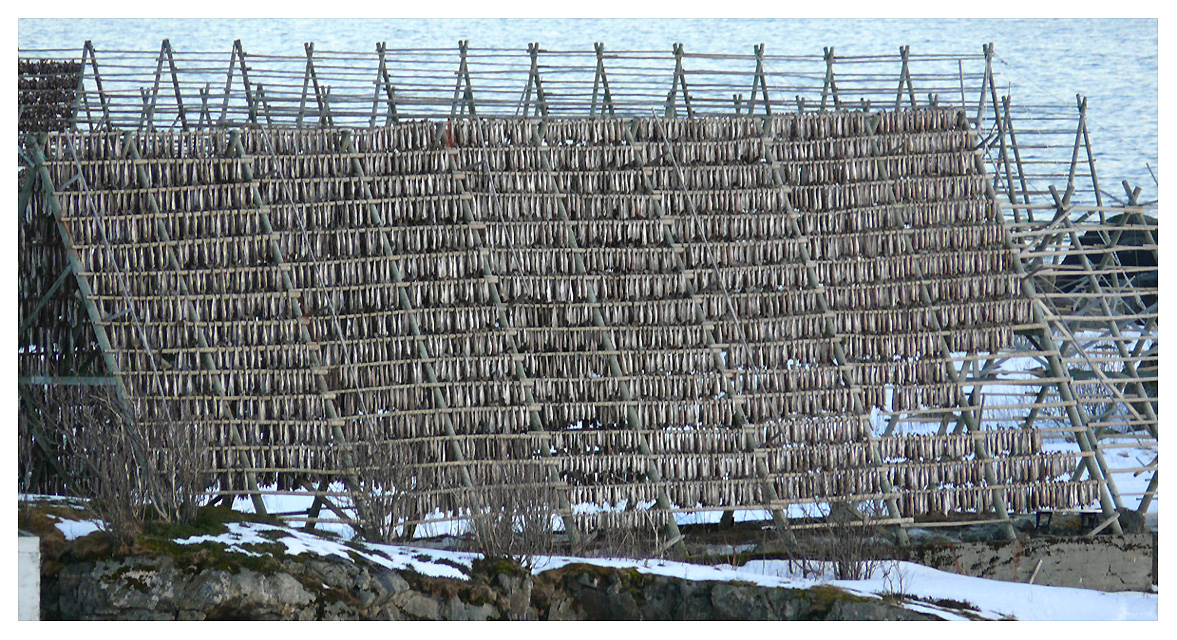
(28, 589)
(1104, 563)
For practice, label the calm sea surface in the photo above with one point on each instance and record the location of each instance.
(1112, 62)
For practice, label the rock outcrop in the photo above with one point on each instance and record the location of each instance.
(162, 587)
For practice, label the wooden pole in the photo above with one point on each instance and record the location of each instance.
(222, 120)
(250, 105)
(85, 293)
(463, 90)
(335, 420)
(89, 47)
(679, 83)
(150, 109)
(601, 85)
(176, 85)
(829, 87)
(905, 78)
(423, 352)
(758, 80)
(382, 79)
(969, 420)
(986, 83)
(1013, 143)
(1112, 327)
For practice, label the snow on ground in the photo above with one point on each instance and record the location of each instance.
(991, 598)
(70, 527)
(987, 598)
(74, 529)
(242, 535)
(442, 525)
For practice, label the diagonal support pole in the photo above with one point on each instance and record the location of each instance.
(653, 474)
(905, 80)
(167, 45)
(534, 81)
(535, 421)
(601, 85)
(89, 55)
(426, 357)
(679, 85)
(28, 321)
(250, 103)
(193, 315)
(987, 86)
(36, 147)
(223, 119)
(1054, 363)
(1017, 154)
(970, 420)
(463, 89)
(334, 419)
(758, 81)
(383, 81)
(768, 136)
(751, 437)
(829, 88)
(75, 263)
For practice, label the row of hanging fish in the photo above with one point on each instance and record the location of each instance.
(866, 146)
(236, 197)
(899, 268)
(391, 324)
(591, 439)
(301, 412)
(127, 173)
(807, 172)
(852, 123)
(867, 194)
(885, 217)
(963, 289)
(250, 252)
(496, 132)
(917, 320)
(873, 244)
(179, 224)
(814, 456)
(1020, 498)
(280, 141)
(110, 144)
(201, 284)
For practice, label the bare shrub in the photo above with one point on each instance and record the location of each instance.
(513, 518)
(385, 482)
(846, 540)
(853, 549)
(895, 580)
(35, 450)
(621, 541)
(179, 462)
(128, 466)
